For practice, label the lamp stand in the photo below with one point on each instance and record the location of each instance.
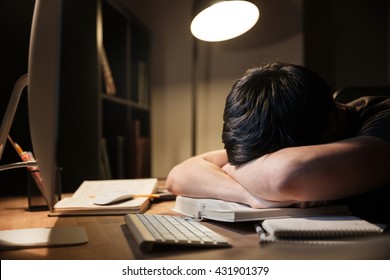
(194, 93)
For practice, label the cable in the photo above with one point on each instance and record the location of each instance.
(18, 165)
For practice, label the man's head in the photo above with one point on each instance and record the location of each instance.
(274, 107)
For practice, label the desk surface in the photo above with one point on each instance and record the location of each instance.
(110, 239)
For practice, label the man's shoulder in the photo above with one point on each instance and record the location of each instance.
(366, 102)
(373, 115)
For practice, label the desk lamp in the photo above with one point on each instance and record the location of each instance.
(222, 20)
(215, 21)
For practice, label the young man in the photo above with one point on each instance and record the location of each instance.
(288, 143)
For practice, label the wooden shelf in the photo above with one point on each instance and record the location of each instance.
(125, 102)
(96, 125)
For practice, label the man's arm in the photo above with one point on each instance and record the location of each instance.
(319, 172)
(202, 176)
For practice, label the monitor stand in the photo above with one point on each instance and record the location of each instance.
(32, 237)
(42, 237)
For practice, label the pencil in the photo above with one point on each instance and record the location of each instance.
(34, 170)
(147, 195)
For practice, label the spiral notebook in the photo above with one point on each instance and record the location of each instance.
(321, 228)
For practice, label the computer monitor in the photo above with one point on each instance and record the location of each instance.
(43, 93)
(43, 90)
(42, 82)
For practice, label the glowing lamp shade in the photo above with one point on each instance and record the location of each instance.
(224, 20)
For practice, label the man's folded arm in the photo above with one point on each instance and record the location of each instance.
(318, 172)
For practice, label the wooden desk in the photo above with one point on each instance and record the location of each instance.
(110, 239)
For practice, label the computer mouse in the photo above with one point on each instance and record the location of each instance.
(107, 198)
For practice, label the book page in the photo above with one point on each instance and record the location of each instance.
(225, 205)
(84, 196)
(87, 202)
(136, 186)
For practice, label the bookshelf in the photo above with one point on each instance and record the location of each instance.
(104, 106)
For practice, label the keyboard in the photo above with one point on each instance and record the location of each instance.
(151, 230)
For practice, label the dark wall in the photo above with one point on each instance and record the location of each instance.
(347, 42)
(15, 24)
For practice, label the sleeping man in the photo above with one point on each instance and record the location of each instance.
(288, 143)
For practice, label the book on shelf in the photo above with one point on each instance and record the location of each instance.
(116, 147)
(139, 151)
(82, 201)
(317, 229)
(105, 168)
(143, 88)
(226, 211)
(108, 79)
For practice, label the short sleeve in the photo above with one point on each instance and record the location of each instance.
(374, 116)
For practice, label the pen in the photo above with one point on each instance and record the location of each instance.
(155, 195)
(261, 233)
(162, 195)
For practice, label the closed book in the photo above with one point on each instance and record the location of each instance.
(226, 211)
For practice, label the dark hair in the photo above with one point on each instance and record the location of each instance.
(274, 107)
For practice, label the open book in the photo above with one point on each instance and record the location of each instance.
(319, 229)
(82, 201)
(225, 211)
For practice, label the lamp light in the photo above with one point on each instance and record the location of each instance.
(223, 20)
(214, 21)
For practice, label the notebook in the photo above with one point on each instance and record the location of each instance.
(319, 228)
(219, 210)
(81, 202)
